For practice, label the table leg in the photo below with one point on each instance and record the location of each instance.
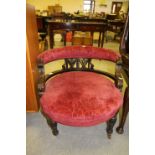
(99, 40)
(64, 37)
(72, 35)
(92, 36)
(102, 40)
(51, 39)
(120, 128)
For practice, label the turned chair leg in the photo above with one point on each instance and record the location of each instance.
(53, 126)
(110, 125)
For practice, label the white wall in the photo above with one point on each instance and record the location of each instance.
(67, 5)
(71, 5)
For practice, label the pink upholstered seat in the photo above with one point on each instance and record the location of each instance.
(80, 99)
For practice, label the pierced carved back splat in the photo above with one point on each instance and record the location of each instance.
(78, 64)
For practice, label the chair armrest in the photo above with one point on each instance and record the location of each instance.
(41, 79)
(118, 75)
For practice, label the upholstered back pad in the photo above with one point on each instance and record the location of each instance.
(78, 52)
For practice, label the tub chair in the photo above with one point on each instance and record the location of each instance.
(78, 94)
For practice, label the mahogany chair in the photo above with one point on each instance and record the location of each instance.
(78, 94)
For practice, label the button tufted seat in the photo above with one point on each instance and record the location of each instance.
(80, 98)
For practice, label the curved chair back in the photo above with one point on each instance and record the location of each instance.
(78, 58)
(78, 52)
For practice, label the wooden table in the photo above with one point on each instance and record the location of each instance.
(77, 26)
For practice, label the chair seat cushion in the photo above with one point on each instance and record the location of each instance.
(80, 98)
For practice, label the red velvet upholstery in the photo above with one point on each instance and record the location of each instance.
(80, 98)
(78, 52)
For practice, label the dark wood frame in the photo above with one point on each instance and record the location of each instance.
(79, 64)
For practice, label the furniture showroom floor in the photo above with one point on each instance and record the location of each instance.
(75, 140)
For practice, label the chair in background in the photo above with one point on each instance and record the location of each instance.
(78, 94)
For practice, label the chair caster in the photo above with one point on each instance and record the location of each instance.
(119, 130)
